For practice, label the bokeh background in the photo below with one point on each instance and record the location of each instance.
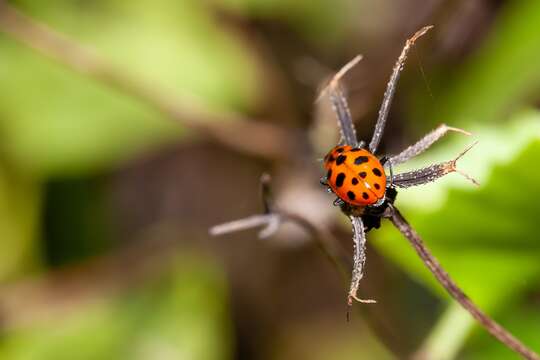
(128, 128)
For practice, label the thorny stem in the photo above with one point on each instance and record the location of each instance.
(432, 172)
(256, 138)
(442, 276)
(391, 88)
(340, 106)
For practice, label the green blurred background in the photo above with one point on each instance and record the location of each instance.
(105, 201)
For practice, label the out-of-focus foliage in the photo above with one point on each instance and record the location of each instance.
(181, 314)
(175, 47)
(322, 21)
(20, 201)
(498, 78)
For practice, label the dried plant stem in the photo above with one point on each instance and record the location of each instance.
(442, 276)
(256, 138)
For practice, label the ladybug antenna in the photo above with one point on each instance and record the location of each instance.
(462, 173)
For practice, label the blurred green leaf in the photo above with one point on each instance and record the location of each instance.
(55, 121)
(321, 21)
(499, 77)
(20, 204)
(182, 314)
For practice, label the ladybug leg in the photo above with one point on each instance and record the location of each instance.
(338, 202)
(431, 173)
(424, 143)
(391, 89)
(324, 180)
(359, 260)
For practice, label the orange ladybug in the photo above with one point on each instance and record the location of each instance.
(355, 175)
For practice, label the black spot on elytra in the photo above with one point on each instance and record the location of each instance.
(365, 195)
(377, 172)
(340, 178)
(354, 181)
(377, 186)
(340, 159)
(355, 150)
(360, 160)
(331, 158)
(339, 150)
(362, 174)
(351, 195)
(329, 174)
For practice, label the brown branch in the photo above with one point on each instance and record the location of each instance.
(252, 137)
(444, 279)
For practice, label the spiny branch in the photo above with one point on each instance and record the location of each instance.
(444, 279)
(391, 89)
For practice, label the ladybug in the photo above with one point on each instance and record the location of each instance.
(355, 175)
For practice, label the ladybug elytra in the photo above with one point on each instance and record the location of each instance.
(355, 175)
